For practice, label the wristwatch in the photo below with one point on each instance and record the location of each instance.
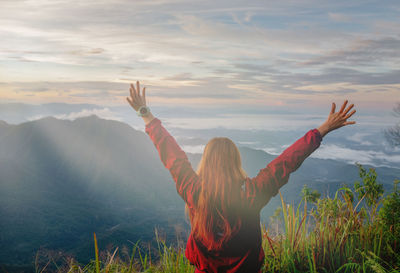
(143, 111)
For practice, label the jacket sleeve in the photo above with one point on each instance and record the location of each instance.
(276, 174)
(175, 160)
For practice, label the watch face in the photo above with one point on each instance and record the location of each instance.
(143, 111)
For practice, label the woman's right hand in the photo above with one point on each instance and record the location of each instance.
(338, 119)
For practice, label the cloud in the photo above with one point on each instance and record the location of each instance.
(104, 113)
(366, 52)
(375, 158)
(86, 52)
(33, 89)
(240, 121)
(272, 151)
(359, 138)
(336, 75)
(227, 51)
(150, 32)
(339, 17)
(65, 86)
(194, 149)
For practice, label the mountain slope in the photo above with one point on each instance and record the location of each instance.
(61, 180)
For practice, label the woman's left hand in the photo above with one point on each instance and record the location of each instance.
(137, 100)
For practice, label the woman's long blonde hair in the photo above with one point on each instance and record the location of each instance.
(215, 217)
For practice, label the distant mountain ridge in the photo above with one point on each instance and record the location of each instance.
(62, 180)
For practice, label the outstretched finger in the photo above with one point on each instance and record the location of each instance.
(333, 108)
(132, 90)
(349, 115)
(130, 102)
(348, 109)
(144, 95)
(343, 106)
(138, 88)
(135, 93)
(349, 122)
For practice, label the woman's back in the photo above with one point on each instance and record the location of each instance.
(214, 215)
(241, 253)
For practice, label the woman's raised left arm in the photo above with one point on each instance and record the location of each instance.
(171, 155)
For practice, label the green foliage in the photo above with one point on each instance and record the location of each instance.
(390, 212)
(347, 193)
(338, 234)
(370, 189)
(390, 219)
(319, 240)
(309, 195)
(277, 213)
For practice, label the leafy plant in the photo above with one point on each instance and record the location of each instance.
(309, 195)
(390, 219)
(369, 189)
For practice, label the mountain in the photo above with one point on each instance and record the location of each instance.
(4, 126)
(62, 180)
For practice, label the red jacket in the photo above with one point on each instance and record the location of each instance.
(243, 253)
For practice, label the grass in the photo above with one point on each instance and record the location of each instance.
(170, 260)
(340, 234)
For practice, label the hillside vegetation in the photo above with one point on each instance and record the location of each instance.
(358, 230)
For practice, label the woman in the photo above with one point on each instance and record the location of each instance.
(224, 204)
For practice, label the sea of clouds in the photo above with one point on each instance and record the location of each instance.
(364, 142)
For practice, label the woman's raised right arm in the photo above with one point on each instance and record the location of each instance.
(338, 119)
(270, 179)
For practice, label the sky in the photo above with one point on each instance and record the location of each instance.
(257, 54)
(241, 65)
(267, 71)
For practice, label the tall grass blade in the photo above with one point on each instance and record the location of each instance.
(96, 250)
(133, 257)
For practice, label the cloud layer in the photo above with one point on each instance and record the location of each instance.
(376, 158)
(201, 53)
